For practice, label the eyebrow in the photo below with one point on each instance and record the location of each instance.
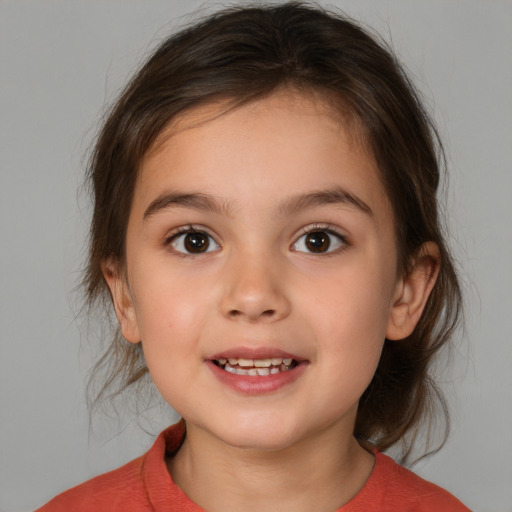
(335, 195)
(194, 200)
(289, 206)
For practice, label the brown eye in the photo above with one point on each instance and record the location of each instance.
(196, 242)
(193, 242)
(317, 241)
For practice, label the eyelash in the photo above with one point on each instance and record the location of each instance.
(185, 230)
(323, 228)
(309, 230)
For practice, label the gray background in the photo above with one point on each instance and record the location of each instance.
(61, 61)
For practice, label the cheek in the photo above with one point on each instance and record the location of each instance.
(354, 302)
(170, 332)
(171, 312)
(350, 319)
(164, 299)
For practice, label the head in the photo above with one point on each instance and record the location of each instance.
(239, 57)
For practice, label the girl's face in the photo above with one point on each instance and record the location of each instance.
(260, 241)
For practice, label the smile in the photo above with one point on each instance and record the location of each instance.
(256, 372)
(256, 367)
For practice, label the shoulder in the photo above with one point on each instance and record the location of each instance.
(144, 484)
(118, 490)
(397, 489)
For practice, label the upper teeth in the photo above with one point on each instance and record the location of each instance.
(256, 363)
(255, 367)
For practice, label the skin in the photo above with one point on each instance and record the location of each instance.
(259, 287)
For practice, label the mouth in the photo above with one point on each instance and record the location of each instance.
(256, 372)
(256, 367)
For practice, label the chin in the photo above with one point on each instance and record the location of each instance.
(265, 436)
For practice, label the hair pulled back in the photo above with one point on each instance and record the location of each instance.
(240, 55)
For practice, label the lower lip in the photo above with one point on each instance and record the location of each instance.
(257, 385)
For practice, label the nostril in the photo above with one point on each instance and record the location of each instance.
(267, 313)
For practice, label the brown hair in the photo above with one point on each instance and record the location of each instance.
(245, 53)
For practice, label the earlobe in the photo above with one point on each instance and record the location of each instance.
(122, 299)
(412, 292)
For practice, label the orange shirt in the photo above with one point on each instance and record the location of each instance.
(144, 485)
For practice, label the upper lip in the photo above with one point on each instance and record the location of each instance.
(255, 353)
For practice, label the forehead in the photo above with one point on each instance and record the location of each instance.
(334, 112)
(286, 143)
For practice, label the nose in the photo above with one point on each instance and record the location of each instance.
(255, 291)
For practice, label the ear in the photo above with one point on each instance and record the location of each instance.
(122, 299)
(412, 292)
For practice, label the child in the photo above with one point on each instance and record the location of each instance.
(266, 226)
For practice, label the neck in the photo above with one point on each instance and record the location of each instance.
(321, 474)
